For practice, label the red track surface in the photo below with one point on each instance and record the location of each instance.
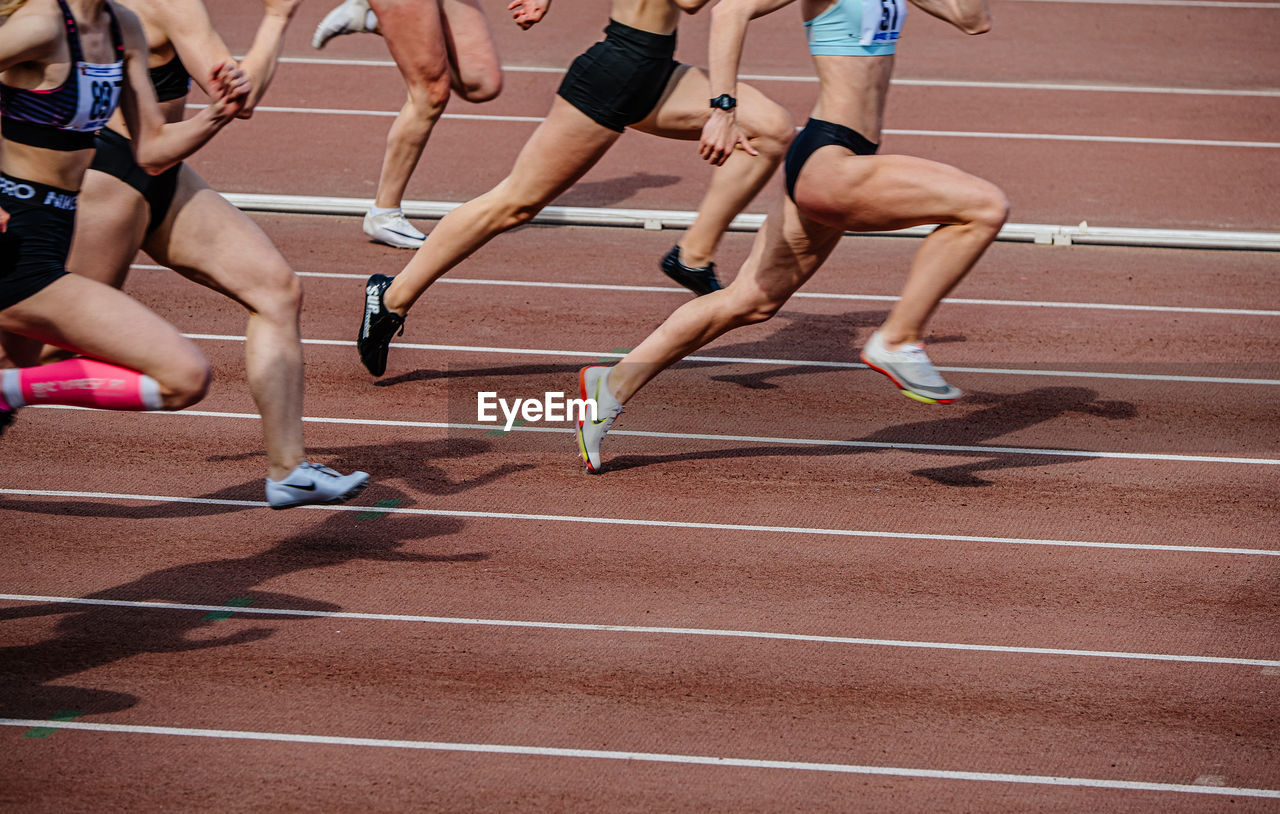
(900, 553)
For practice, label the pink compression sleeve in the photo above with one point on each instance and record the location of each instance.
(81, 383)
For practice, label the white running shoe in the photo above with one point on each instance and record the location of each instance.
(352, 17)
(910, 370)
(312, 483)
(593, 383)
(393, 229)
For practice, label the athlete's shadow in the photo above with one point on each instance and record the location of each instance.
(806, 336)
(91, 636)
(415, 464)
(1007, 414)
(613, 190)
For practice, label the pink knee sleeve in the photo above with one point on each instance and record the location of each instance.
(81, 383)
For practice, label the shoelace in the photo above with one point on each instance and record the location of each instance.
(323, 470)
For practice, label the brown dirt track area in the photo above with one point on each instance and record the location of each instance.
(794, 589)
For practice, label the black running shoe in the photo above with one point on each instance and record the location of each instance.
(6, 418)
(378, 326)
(699, 281)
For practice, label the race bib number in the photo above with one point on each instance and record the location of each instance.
(99, 93)
(882, 21)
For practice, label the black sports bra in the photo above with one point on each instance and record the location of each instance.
(171, 80)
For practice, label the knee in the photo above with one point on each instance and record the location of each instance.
(429, 98)
(276, 293)
(752, 308)
(482, 88)
(991, 210)
(186, 384)
(772, 133)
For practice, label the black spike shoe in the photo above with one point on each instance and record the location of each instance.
(700, 281)
(378, 326)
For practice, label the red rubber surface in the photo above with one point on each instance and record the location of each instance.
(1015, 544)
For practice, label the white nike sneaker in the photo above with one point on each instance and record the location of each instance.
(910, 370)
(352, 17)
(593, 383)
(393, 229)
(312, 483)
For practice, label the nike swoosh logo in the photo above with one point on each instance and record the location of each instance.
(310, 487)
(596, 422)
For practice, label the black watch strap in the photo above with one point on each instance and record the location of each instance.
(724, 102)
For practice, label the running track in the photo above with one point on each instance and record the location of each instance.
(795, 590)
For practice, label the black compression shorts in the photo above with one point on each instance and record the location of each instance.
(620, 80)
(816, 134)
(33, 249)
(114, 156)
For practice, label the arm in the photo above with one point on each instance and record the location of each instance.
(970, 16)
(156, 145)
(721, 134)
(527, 12)
(28, 36)
(189, 28)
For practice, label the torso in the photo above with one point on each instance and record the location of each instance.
(97, 78)
(854, 87)
(655, 16)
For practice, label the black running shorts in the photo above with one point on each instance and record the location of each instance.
(816, 134)
(620, 80)
(114, 156)
(33, 249)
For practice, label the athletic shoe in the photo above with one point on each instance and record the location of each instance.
(393, 229)
(313, 483)
(349, 18)
(378, 326)
(6, 418)
(910, 370)
(593, 384)
(700, 281)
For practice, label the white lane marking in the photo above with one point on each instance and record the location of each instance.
(665, 524)
(650, 757)
(1269, 145)
(943, 449)
(649, 629)
(812, 295)
(926, 83)
(1209, 4)
(736, 360)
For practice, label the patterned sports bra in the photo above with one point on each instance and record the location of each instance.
(66, 117)
(857, 28)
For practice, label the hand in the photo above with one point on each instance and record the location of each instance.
(281, 8)
(527, 12)
(230, 88)
(721, 135)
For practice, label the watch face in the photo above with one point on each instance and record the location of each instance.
(725, 102)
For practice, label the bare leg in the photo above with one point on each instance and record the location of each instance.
(874, 193)
(96, 320)
(436, 45)
(559, 152)
(208, 240)
(787, 250)
(681, 114)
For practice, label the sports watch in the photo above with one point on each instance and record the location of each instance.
(724, 102)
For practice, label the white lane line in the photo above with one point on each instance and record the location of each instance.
(1210, 4)
(649, 757)
(736, 360)
(664, 524)
(925, 83)
(812, 295)
(1268, 145)
(648, 629)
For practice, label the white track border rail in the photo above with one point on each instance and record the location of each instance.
(656, 219)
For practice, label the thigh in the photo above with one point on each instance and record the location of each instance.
(96, 320)
(685, 107)
(414, 31)
(886, 192)
(469, 42)
(111, 222)
(561, 150)
(788, 250)
(207, 240)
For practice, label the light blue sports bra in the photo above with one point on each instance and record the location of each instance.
(857, 28)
